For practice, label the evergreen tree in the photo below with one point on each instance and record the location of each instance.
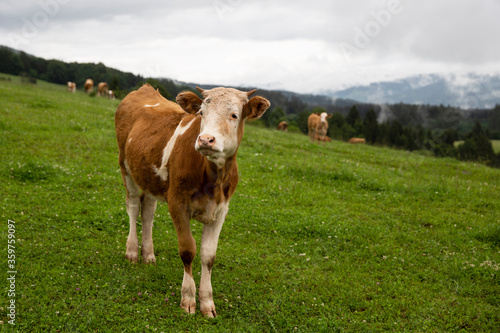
(395, 134)
(347, 131)
(302, 121)
(477, 146)
(10, 63)
(353, 116)
(335, 124)
(370, 126)
(337, 119)
(494, 123)
(272, 117)
(56, 72)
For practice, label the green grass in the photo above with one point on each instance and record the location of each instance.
(334, 238)
(496, 146)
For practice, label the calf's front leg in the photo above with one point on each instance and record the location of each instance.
(209, 241)
(187, 252)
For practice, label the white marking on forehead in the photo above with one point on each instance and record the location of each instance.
(151, 106)
(226, 96)
(162, 172)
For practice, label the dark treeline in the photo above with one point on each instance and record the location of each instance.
(31, 68)
(432, 128)
(404, 126)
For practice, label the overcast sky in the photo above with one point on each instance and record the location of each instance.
(302, 46)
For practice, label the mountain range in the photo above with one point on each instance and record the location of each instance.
(470, 91)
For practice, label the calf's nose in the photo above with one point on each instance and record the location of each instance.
(206, 141)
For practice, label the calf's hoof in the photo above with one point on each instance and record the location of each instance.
(208, 310)
(132, 257)
(149, 258)
(189, 305)
(150, 261)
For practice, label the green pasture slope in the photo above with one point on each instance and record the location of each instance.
(334, 238)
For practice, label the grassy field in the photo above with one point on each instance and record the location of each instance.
(334, 238)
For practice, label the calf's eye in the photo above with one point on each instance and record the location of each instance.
(234, 116)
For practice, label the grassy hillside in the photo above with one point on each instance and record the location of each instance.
(334, 238)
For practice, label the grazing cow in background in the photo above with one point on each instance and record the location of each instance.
(357, 140)
(71, 87)
(318, 126)
(89, 86)
(183, 154)
(102, 89)
(283, 126)
(111, 94)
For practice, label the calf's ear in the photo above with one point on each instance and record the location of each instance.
(255, 107)
(189, 102)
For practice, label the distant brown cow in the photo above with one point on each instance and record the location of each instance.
(357, 140)
(283, 126)
(89, 86)
(102, 89)
(183, 154)
(318, 126)
(71, 87)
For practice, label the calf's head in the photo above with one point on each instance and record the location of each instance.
(222, 112)
(323, 116)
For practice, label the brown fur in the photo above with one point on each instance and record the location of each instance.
(102, 89)
(71, 86)
(316, 128)
(357, 140)
(325, 138)
(89, 85)
(283, 126)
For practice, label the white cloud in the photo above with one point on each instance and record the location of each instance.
(292, 45)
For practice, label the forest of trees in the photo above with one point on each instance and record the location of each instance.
(403, 126)
(55, 71)
(436, 131)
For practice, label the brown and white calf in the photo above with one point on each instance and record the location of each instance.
(357, 140)
(71, 87)
(102, 89)
(318, 126)
(282, 126)
(183, 154)
(89, 85)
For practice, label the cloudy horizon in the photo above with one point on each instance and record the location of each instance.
(305, 47)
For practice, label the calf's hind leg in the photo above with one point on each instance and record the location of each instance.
(133, 202)
(148, 207)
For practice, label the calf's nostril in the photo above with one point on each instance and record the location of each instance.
(206, 140)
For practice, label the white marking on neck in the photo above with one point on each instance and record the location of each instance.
(162, 172)
(151, 106)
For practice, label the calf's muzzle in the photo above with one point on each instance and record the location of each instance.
(206, 141)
